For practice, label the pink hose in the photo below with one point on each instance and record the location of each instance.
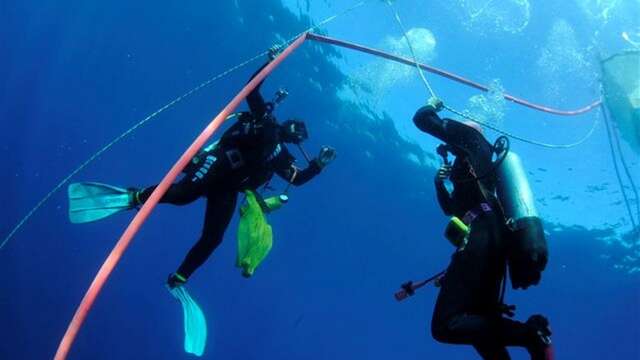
(448, 75)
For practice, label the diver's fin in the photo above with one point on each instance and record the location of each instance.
(91, 201)
(195, 324)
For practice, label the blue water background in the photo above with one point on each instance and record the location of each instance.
(76, 74)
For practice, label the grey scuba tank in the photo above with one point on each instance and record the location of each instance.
(527, 247)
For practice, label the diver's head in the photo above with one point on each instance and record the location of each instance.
(293, 131)
(474, 125)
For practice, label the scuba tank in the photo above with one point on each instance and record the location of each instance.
(200, 159)
(527, 252)
(527, 247)
(205, 158)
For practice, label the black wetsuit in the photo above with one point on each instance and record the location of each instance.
(468, 308)
(247, 156)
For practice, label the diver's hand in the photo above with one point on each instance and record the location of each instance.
(326, 156)
(540, 325)
(274, 51)
(435, 104)
(443, 173)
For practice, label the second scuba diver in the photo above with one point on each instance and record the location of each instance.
(245, 158)
(469, 308)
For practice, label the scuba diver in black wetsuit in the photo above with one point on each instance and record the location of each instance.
(245, 158)
(469, 309)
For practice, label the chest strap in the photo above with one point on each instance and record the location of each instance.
(474, 213)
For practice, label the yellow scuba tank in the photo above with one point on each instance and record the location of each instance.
(527, 252)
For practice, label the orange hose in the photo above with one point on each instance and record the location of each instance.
(142, 215)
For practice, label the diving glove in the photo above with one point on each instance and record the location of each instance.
(540, 347)
(540, 325)
(326, 156)
(435, 104)
(176, 280)
(444, 172)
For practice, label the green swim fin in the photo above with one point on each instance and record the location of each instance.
(91, 201)
(195, 324)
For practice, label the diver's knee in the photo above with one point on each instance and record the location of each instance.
(440, 331)
(438, 335)
(209, 242)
